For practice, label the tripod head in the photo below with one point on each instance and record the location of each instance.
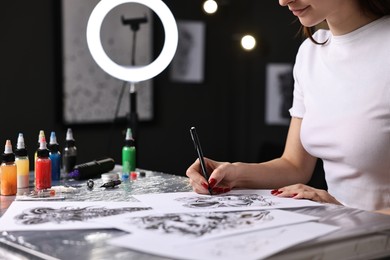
(134, 23)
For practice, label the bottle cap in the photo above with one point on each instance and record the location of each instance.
(129, 140)
(69, 138)
(107, 177)
(41, 133)
(42, 151)
(53, 145)
(8, 155)
(69, 134)
(20, 147)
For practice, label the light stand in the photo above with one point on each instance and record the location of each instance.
(132, 74)
(132, 116)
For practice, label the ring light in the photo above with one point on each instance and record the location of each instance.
(132, 73)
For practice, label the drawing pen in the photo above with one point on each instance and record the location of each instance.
(198, 149)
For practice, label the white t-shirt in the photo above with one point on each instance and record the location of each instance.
(342, 92)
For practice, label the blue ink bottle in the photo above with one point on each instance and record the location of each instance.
(55, 157)
(128, 155)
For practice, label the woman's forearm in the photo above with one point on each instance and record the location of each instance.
(270, 175)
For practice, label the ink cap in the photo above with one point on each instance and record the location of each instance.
(111, 176)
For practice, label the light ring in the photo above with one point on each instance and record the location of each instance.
(132, 73)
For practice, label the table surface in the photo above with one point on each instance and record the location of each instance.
(361, 235)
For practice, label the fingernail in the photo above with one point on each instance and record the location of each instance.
(295, 194)
(274, 191)
(212, 183)
(204, 185)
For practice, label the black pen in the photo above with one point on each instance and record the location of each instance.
(198, 149)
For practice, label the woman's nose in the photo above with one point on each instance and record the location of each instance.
(285, 2)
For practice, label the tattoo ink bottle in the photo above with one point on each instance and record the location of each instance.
(55, 157)
(128, 155)
(22, 164)
(8, 171)
(70, 152)
(42, 167)
(41, 134)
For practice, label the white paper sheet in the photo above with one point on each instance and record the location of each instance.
(63, 215)
(248, 246)
(179, 228)
(236, 200)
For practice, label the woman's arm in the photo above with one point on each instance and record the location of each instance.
(294, 166)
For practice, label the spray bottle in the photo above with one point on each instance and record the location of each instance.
(70, 152)
(8, 171)
(55, 157)
(128, 155)
(22, 164)
(42, 167)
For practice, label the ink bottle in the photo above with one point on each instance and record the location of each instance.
(22, 164)
(55, 157)
(128, 155)
(42, 167)
(8, 171)
(70, 152)
(41, 134)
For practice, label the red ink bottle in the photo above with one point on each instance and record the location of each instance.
(42, 166)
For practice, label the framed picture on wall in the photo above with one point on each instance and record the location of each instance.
(89, 94)
(188, 64)
(279, 93)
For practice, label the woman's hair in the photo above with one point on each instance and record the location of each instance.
(376, 7)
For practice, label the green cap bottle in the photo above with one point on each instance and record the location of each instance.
(128, 154)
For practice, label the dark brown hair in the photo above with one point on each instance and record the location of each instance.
(374, 7)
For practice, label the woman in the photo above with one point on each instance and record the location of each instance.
(340, 112)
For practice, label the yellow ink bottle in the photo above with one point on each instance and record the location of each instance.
(22, 165)
(8, 171)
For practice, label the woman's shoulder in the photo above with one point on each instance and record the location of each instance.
(320, 36)
(384, 24)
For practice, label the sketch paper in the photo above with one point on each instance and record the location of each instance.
(236, 200)
(248, 246)
(63, 215)
(178, 228)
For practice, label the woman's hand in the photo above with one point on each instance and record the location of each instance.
(301, 191)
(222, 178)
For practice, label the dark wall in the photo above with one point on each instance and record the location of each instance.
(227, 108)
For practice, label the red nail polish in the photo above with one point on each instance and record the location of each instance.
(274, 191)
(204, 185)
(295, 194)
(212, 182)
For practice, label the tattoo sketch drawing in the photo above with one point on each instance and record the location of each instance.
(42, 215)
(227, 200)
(199, 224)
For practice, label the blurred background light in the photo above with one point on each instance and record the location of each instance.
(248, 42)
(210, 6)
